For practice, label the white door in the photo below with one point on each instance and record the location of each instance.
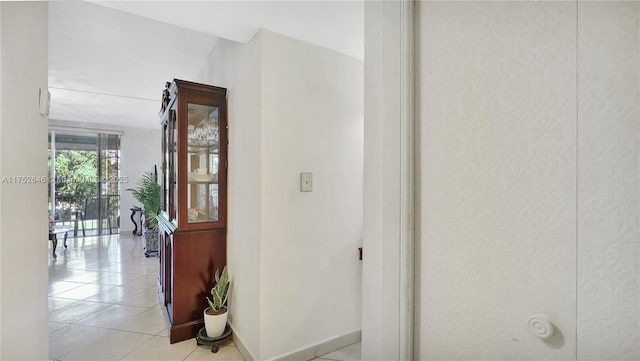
(528, 180)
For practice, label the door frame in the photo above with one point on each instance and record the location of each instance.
(389, 186)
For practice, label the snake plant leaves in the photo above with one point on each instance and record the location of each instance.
(220, 291)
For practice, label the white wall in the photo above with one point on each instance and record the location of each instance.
(0, 187)
(293, 107)
(608, 207)
(529, 180)
(312, 121)
(140, 151)
(237, 67)
(23, 232)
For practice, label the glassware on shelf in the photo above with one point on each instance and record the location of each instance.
(205, 132)
(203, 139)
(203, 178)
(193, 214)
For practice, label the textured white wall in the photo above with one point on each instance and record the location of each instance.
(608, 154)
(312, 121)
(237, 67)
(498, 171)
(23, 152)
(529, 149)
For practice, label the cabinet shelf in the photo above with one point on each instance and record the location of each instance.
(202, 148)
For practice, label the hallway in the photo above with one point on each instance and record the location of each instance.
(103, 305)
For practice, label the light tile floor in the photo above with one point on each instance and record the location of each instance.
(103, 305)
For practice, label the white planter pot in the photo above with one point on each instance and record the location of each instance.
(215, 324)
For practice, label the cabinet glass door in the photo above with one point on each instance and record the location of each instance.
(169, 161)
(203, 149)
(173, 163)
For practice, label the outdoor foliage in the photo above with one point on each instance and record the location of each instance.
(76, 172)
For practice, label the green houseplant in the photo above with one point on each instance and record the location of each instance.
(215, 316)
(149, 193)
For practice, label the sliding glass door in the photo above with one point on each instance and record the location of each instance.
(108, 199)
(86, 190)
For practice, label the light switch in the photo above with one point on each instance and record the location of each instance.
(306, 182)
(44, 102)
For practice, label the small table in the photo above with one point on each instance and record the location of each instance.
(135, 224)
(53, 237)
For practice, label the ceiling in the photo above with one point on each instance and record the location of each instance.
(109, 60)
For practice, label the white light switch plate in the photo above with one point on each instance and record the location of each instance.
(44, 102)
(306, 182)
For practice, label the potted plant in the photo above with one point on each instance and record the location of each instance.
(215, 316)
(149, 193)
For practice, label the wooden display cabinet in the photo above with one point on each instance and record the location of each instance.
(194, 206)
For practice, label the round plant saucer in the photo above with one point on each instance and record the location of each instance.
(203, 340)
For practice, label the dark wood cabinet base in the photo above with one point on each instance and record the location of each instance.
(191, 266)
(184, 331)
(180, 332)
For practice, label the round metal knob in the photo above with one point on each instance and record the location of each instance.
(540, 326)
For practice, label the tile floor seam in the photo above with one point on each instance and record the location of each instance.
(72, 299)
(190, 353)
(111, 328)
(80, 320)
(61, 357)
(134, 350)
(140, 333)
(55, 294)
(111, 284)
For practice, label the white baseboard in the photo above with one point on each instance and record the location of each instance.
(321, 348)
(246, 355)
